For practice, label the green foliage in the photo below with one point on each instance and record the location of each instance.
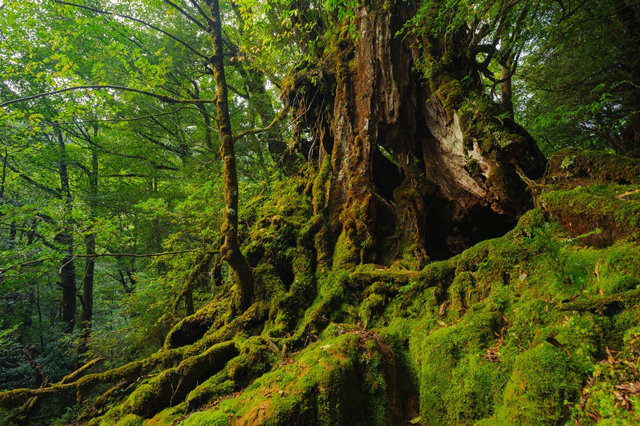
(574, 87)
(458, 386)
(15, 372)
(608, 395)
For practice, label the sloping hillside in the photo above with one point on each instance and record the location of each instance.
(538, 327)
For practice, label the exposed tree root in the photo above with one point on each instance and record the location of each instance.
(172, 385)
(610, 305)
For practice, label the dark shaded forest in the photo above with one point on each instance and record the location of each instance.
(316, 212)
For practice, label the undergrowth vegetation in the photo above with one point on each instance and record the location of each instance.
(538, 327)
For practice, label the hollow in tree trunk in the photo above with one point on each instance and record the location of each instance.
(412, 169)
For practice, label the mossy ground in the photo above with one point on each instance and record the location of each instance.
(538, 327)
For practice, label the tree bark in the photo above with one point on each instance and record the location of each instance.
(65, 238)
(230, 249)
(506, 100)
(90, 247)
(412, 176)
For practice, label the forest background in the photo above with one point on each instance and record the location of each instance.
(117, 190)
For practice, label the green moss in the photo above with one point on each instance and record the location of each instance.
(322, 386)
(530, 318)
(471, 336)
(372, 306)
(346, 254)
(256, 357)
(576, 165)
(167, 417)
(450, 91)
(215, 387)
(473, 168)
(458, 385)
(533, 218)
(491, 422)
(479, 124)
(460, 293)
(214, 418)
(322, 186)
(597, 215)
(543, 380)
(172, 385)
(130, 420)
(607, 395)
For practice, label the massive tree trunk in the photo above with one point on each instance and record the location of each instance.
(414, 169)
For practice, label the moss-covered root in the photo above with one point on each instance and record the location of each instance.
(597, 215)
(84, 385)
(173, 385)
(344, 380)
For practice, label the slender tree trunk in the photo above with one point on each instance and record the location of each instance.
(4, 172)
(230, 249)
(506, 99)
(188, 302)
(208, 137)
(12, 234)
(65, 237)
(12, 229)
(90, 248)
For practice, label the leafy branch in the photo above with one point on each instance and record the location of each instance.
(105, 12)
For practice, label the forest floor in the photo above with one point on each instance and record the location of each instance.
(538, 327)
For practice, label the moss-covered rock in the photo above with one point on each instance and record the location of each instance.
(458, 385)
(577, 166)
(596, 215)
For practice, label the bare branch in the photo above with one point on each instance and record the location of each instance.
(186, 15)
(116, 255)
(279, 117)
(162, 98)
(55, 192)
(202, 12)
(118, 120)
(119, 255)
(22, 265)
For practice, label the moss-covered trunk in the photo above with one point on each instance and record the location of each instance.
(230, 249)
(420, 168)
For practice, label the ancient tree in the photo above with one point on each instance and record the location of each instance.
(413, 161)
(414, 166)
